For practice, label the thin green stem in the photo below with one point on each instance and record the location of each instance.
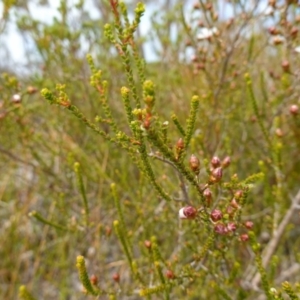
(77, 170)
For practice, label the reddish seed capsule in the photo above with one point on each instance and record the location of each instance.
(188, 212)
(216, 215)
(170, 274)
(180, 144)
(31, 90)
(294, 109)
(226, 162)
(248, 224)
(215, 162)
(234, 203)
(147, 123)
(285, 66)
(217, 174)
(272, 30)
(238, 194)
(194, 164)
(207, 194)
(94, 279)
(244, 237)
(116, 277)
(147, 244)
(279, 132)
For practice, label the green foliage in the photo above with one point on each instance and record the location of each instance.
(152, 196)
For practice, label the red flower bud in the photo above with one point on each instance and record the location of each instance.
(234, 203)
(207, 193)
(116, 277)
(285, 66)
(188, 212)
(248, 224)
(215, 162)
(170, 274)
(147, 244)
(294, 109)
(226, 162)
(279, 132)
(94, 279)
(244, 237)
(194, 164)
(216, 175)
(147, 123)
(31, 90)
(208, 196)
(273, 30)
(180, 145)
(216, 215)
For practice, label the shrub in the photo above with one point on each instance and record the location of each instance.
(176, 179)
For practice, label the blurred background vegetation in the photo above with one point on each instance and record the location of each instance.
(40, 143)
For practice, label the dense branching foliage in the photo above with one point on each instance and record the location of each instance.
(174, 176)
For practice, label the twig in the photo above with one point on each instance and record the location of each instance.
(292, 271)
(272, 245)
(181, 178)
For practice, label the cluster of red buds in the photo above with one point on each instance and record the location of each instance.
(225, 228)
(217, 167)
(221, 228)
(222, 225)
